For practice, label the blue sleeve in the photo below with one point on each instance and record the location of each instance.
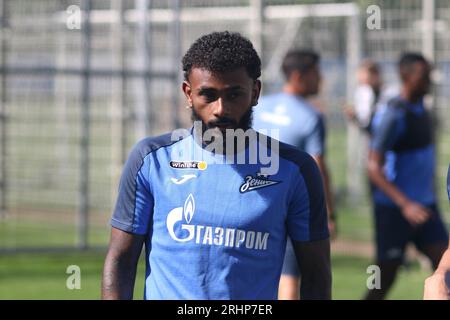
(315, 142)
(134, 204)
(307, 216)
(386, 133)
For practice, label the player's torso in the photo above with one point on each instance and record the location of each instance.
(416, 130)
(220, 220)
(410, 162)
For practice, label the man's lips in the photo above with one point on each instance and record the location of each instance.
(223, 126)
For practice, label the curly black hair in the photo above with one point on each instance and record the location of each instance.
(407, 59)
(222, 52)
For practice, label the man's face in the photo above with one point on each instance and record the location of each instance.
(418, 79)
(222, 100)
(314, 77)
(375, 80)
(309, 81)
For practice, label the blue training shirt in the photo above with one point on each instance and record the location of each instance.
(215, 230)
(299, 123)
(402, 132)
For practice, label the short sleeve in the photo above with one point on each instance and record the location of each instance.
(307, 215)
(386, 132)
(315, 142)
(134, 204)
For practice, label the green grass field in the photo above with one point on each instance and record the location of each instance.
(43, 276)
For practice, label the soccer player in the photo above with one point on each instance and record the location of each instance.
(401, 165)
(367, 95)
(437, 287)
(300, 125)
(214, 229)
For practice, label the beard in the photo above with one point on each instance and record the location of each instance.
(245, 123)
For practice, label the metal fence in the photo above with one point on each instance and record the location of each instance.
(82, 81)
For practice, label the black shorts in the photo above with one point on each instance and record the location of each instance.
(393, 232)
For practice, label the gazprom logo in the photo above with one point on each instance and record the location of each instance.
(209, 235)
(176, 215)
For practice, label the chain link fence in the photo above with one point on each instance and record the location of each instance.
(82, 81)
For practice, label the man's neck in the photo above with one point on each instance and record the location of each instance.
(289, 89)
(409, 96)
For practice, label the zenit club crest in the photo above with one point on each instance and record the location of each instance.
(252, 183)
(196, 165)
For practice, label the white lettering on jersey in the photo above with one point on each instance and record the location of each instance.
(209, 235)
(277, 119)
(252, 183)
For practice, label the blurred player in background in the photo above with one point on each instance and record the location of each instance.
(302, 126)
(367, 95)
(402, 167)
(217, 230)
(437, 287)
(366, 99)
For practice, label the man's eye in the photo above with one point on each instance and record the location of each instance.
(234, 95)
(209, 97)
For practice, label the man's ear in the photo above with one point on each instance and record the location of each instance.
(256, 92)
(186, 87)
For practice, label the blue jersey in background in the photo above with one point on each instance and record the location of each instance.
(299, 123)
(402, 132)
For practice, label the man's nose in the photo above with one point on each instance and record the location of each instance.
(219, 108)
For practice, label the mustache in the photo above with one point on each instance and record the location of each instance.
(221, 121)
(245, 122)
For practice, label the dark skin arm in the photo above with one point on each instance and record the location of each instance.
(320, 161)
(314, 263)
(415, 213)
(119, 271)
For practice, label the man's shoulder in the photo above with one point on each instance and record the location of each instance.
(398, 108)
(271, 97)
(303, 160)
(306, 166)
(292, 105)
(276, 99)
(151, 144)
(308, 112)
(291, 153)
(396, 104)
(393, 109)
